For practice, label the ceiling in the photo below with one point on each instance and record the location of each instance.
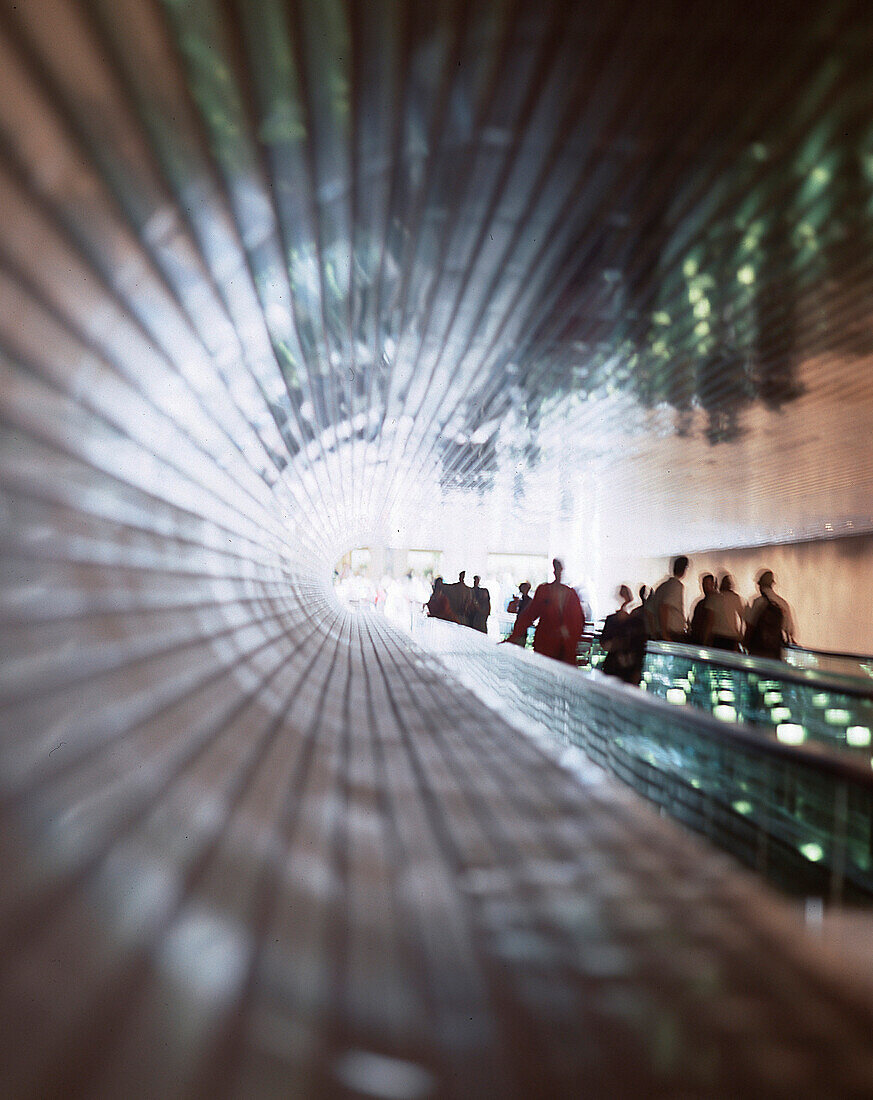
(341, 261)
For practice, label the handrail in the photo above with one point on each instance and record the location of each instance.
(777, 670)
(833, 653)
(819, 758)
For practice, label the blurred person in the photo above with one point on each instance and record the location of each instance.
(667, 605)
(585, 604)
(518, 604)
(559, 612)
(480, 605)
(769, 622)
(438, 606)
(617, 639)
(703, 616)
(637, 637)
(729, 616)
(459, 598)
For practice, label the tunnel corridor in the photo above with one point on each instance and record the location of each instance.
(280, 278)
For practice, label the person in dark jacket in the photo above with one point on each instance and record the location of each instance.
(703, 615)
(480, 607)
(438, 606)
(516, 605)
(614, 637)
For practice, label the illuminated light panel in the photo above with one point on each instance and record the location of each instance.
(837, 716)
(790, 733)
(858, 736)
(725, 713)
(676, 696)
(813, 852)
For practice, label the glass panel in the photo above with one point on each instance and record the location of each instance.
(797, 814)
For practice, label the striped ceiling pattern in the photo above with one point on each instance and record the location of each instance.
(346, 257)
(276, 277)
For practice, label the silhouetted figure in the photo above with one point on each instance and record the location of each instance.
(517, 604)
(480, 607)
(769, 622)
(459, 598)
(438, 606)
(619, 639)
(637, 637)
(703, 616)
(559, 612)
(729, 613)
(666, 607)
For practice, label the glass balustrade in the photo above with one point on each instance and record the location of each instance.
(791, 704)
(785, 805)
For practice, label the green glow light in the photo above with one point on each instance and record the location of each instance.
(702, 328)
(743, 807)
(790, 733)
(820, 175)
(689, 268)
(821, 699)
(813, 852)
(661, 318)
(676, 696)
(858, 736)
(836, 716)
(724, 713)
(746, 275)
(702, 308)
(772, 697)
(780, 714)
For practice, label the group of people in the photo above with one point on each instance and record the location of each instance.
(719, 619)
(555, 607)
(459, 603)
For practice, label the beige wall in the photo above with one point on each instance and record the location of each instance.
(828, 583)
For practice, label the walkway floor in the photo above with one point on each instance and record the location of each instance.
(265, 887)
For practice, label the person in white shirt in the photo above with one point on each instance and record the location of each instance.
(729, 616)
(668, 604)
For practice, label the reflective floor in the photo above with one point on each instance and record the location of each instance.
(349, 876)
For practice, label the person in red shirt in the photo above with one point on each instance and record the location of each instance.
(560, 624)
